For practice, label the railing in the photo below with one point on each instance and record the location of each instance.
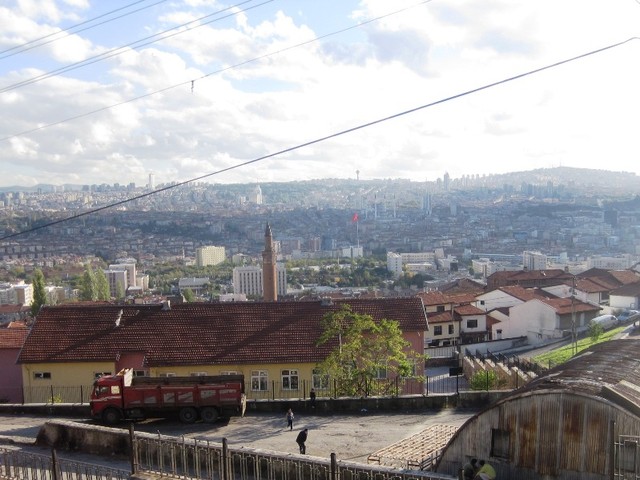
(274, 390)
(194, 459)
(19, 465)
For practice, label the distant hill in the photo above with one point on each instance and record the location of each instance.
(579, 177)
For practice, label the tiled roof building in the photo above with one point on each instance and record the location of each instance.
(70, 344)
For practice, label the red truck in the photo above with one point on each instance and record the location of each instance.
(123, 396)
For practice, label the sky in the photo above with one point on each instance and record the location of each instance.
(95, 92)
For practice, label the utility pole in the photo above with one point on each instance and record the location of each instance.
(574, 339)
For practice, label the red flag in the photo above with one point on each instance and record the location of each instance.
(355, 217)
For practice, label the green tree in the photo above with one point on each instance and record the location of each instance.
(365, 350)
(595, 331)
(188, 295)
(88, 291)
(39, 292)
(101, 285)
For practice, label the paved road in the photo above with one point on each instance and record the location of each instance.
(350, 437)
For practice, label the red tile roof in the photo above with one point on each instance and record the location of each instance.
(442, 298)
(201, 333)
(440, 317)
(469, 310)
(564, 305)
(13, 338)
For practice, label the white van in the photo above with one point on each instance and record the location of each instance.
(606, 321)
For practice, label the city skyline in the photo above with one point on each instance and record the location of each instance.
(255, 83)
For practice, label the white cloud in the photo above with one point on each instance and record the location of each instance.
(574, 114)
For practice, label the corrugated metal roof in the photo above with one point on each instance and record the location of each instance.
(608, 370)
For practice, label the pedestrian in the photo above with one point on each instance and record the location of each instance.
(469, 469)
(290, 419)
(486, 472)
(301, 439)
(312, 397)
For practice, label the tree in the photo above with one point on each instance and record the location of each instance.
(39, 292)
(595, 331)
(366, 350)
(101, 285)
(88, 285)
(188, 295)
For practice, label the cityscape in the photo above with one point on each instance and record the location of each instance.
(486, 264)
(473, 226)
(350, 238)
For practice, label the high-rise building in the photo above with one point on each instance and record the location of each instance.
(269, 277)
(534, 260)
(127, 266)
(210, 255)
(152, 181)
(118, 282)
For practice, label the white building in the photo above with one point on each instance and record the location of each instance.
(118, 281)
(210, 255)
(16, 293)
(534, 260)
(248, 280)
(394, 264)
(129, 268)
(621, 262)
(352, 252)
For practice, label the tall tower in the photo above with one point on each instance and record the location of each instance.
(269, 278)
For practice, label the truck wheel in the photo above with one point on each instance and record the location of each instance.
(111, 416)
(209, 414)
(188, 415)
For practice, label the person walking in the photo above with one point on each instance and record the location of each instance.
(301, 439)
(290, 419)
(312, 397)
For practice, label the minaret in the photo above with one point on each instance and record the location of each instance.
(269, 276)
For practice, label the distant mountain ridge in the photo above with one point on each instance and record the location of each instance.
(586, 177)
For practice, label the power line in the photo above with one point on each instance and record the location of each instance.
(136, 44)
(222, 70)
(327, 137)
(31, 44)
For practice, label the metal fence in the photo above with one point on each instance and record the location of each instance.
(194, 459)
(17, 465)
(275, 390)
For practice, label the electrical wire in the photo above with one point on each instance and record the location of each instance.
(134, 45)
(25, 47)
(327, 137)
(222, 70)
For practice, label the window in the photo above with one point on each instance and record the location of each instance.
(499, 443)
(198, 374)
(100, 374)
(228, 372)
(472, 323)
(440, 308)
(167, 374)
(451, 329)
(319, 380)
(42, 375)
(380, 373)
(437, 330)
(259, 381)
(290, 379)
(139, 373)
(629, 455)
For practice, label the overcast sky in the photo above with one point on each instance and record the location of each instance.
(265, 76)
